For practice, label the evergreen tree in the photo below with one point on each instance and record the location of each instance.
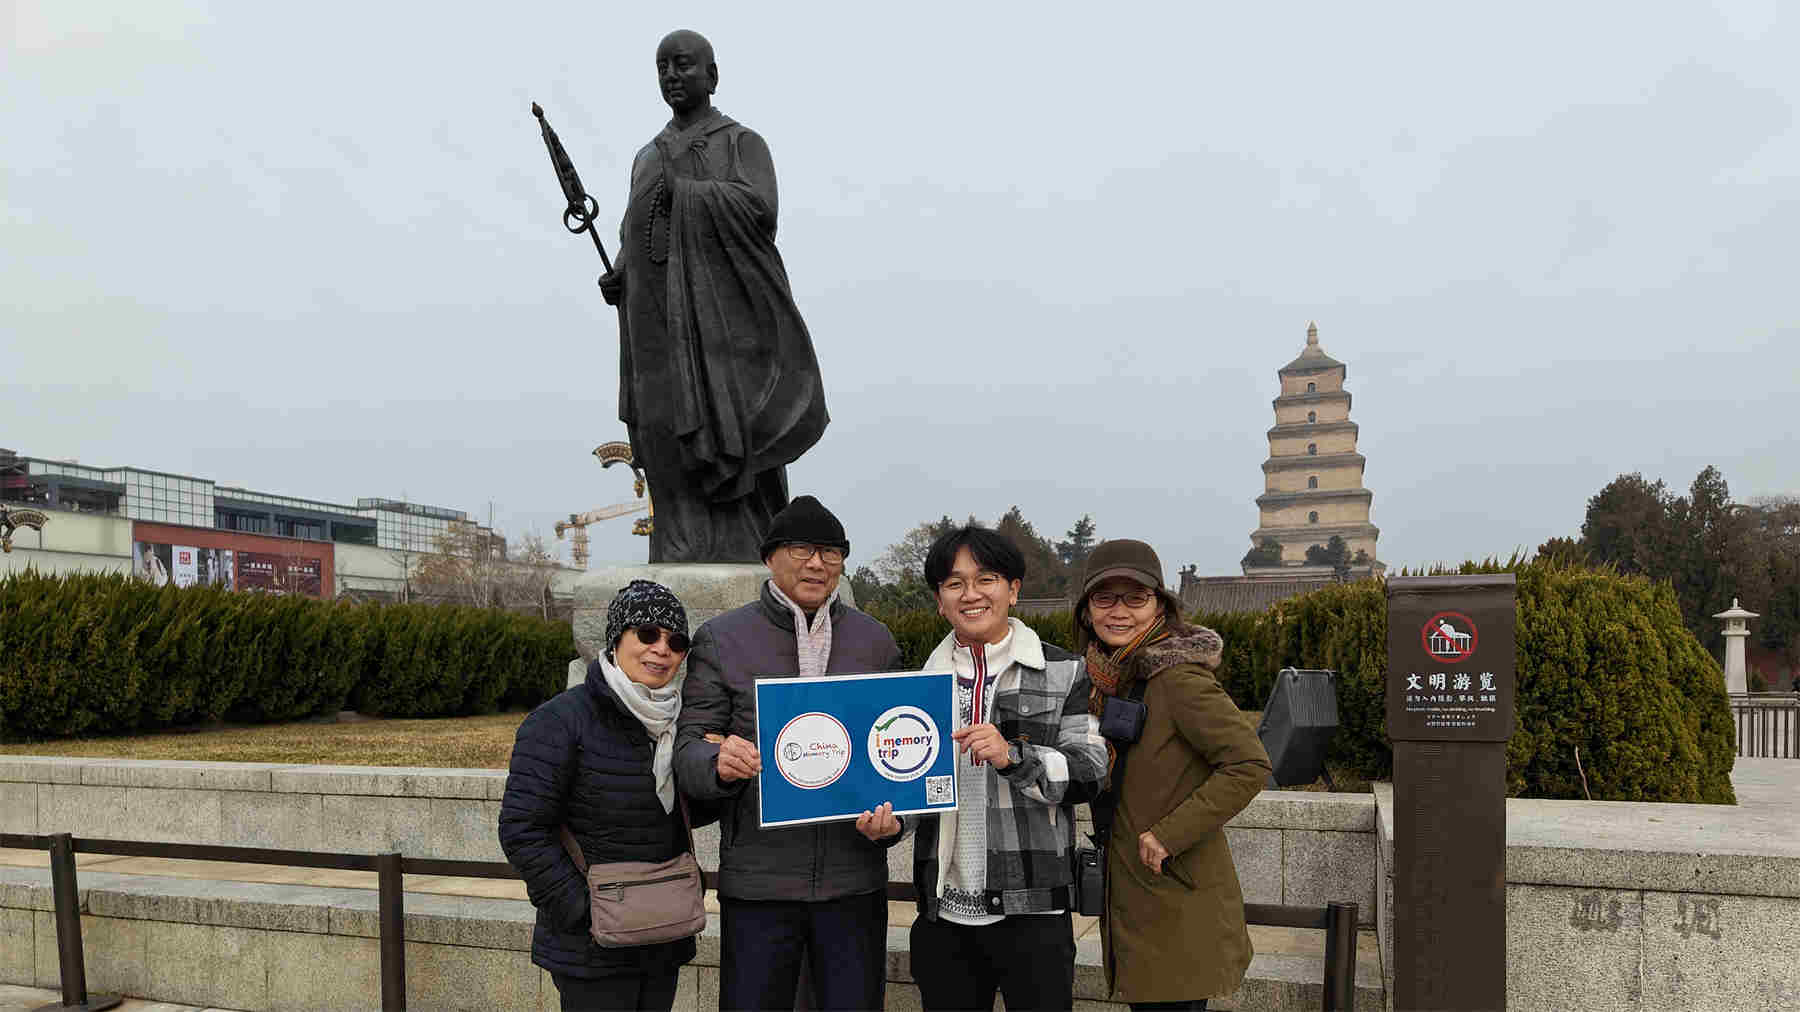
(1045, 574)
(1266, 554)
(1074, 551)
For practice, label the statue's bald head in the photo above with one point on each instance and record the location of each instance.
(686, 72)
(691, 41)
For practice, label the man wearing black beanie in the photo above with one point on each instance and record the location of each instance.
(820, 890)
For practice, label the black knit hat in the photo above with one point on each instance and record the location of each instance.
(641, 603)
(806, 521)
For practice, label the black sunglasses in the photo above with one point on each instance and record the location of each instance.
(649, 634)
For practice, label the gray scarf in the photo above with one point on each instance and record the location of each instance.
(656, 709)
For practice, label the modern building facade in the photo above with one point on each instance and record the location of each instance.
(182, 529)
(1313, 478)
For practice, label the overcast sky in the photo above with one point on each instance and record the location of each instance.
(1050, 255)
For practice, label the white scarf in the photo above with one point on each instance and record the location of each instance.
(814, 644)
(656, 709)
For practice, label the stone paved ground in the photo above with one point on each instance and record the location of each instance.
(14, 998)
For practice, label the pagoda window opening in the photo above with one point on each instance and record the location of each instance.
(1312, 388)
(1312, 481)
(1312, 416)
(1313, 517)
(1312, 449)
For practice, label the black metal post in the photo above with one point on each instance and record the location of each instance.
(1340, 957)
(66, 897)
(392, 903)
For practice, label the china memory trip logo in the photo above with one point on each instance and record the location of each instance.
(812, 751)
(1449, 636)
(903, 743)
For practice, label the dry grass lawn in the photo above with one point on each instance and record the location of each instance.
(455, 742)
(450, 742)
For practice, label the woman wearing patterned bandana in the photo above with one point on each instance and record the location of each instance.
(598, 759)
(1173, 929)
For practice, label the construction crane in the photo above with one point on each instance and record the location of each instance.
(609, 454)
(577, 522)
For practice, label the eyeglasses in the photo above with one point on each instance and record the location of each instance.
(983, 582)
(648, 635)
(828, 555)
(1103, 600)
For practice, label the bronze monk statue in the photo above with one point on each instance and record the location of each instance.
(718, 382)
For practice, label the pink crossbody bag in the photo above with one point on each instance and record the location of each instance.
(643, 902)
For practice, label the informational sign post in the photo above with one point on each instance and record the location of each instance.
(1451, 687)
(835, 747)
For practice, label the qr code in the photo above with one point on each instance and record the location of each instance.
(940, 790)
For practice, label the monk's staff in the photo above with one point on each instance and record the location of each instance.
(578, 217)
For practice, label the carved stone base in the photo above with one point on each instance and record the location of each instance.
(706, 589)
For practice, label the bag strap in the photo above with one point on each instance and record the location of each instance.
(574, 849)
(1121, 752)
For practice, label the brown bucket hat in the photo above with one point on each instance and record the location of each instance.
(1133, 560)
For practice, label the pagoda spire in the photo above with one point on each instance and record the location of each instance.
(1312, 333)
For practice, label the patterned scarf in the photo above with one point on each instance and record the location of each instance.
(1106, 669)
(814, 644)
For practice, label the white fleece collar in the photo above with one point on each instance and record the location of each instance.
(1027, 649)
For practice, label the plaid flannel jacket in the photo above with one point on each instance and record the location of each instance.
(1043, 697)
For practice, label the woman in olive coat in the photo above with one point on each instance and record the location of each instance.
(1173, 928)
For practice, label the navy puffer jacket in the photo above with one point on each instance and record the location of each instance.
(581, 759)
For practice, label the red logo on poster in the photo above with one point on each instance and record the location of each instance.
(1449, 636)
(187, 557)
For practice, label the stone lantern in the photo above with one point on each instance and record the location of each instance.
(1736, 680)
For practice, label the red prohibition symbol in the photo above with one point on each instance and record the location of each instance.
(1449, 636)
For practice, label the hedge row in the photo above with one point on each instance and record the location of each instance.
(96, 654)
(1605, 666)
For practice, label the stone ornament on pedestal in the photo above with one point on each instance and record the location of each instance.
(1737, 678)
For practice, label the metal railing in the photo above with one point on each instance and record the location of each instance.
(1337, 920)
(1768, 724)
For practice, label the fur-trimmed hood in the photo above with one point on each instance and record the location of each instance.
(1194, 644)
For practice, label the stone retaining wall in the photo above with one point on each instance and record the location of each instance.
(1294, 848)
(1616, 905)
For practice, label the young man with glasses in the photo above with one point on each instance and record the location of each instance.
(814, 891)
(995, 876)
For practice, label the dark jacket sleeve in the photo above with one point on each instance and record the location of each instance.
(1205, 715)
(534, 808)
(705, 709)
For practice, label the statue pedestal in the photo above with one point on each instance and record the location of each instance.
(706, 589)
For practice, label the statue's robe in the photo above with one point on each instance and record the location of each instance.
(718, 382)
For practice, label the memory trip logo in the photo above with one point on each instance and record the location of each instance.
(812, 751)
(903, 743)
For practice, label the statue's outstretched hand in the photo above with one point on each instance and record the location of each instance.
(611, 287)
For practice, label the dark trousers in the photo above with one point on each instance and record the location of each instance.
(1028, 958)
(843, 941)
(647, 992)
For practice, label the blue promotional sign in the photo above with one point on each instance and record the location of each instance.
(835, 747)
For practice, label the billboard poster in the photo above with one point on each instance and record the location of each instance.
(186, 569)
(837, 746)
(183, 565)
(153, 563)
(280, 574)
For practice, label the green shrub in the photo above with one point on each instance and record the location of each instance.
(1605, 665)
(94, 654)
(1604, 662)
